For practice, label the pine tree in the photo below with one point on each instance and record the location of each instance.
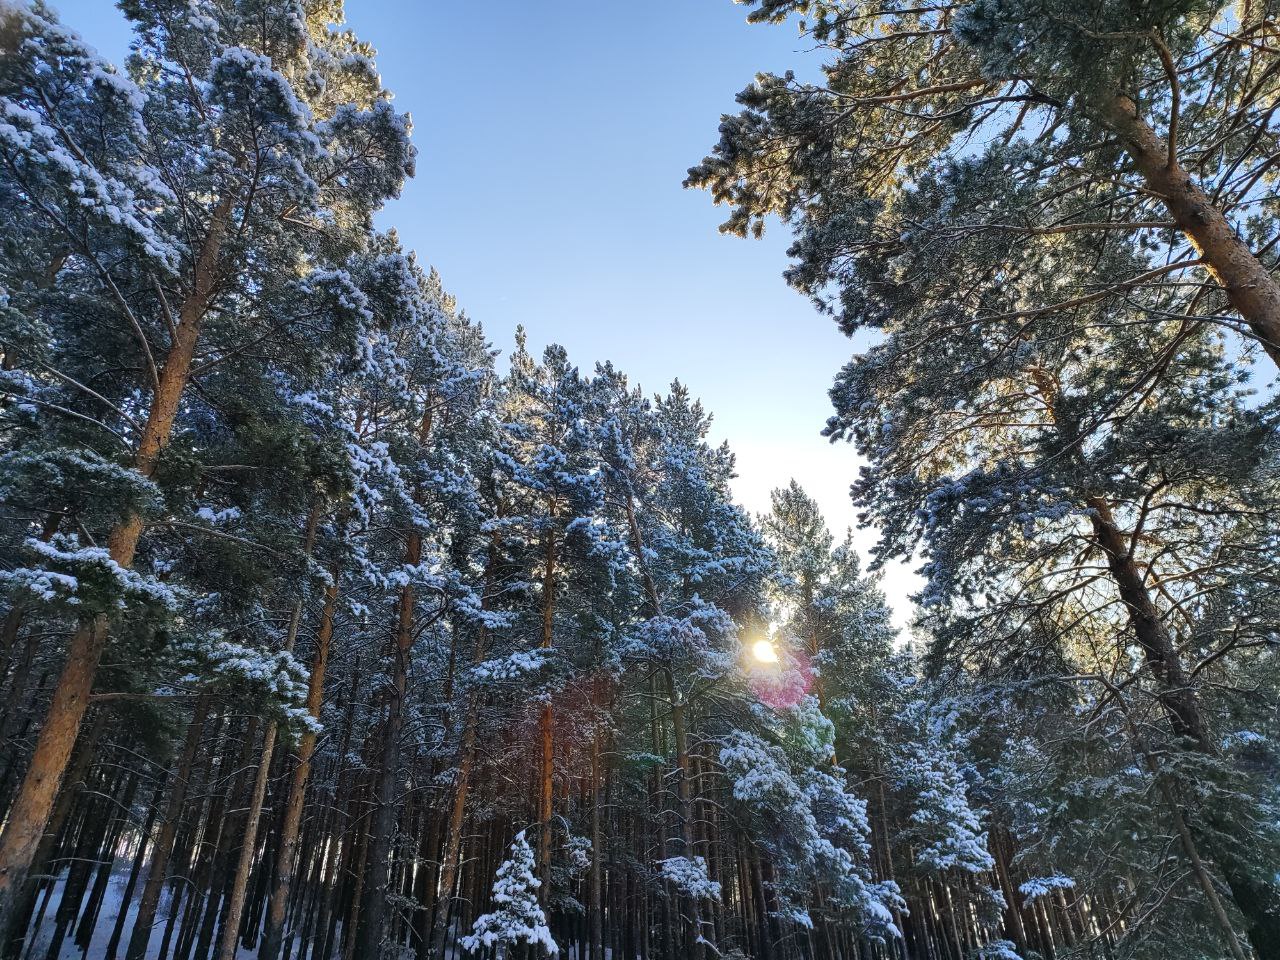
(1130, 136)
(1049, 404)
(236, 167)
(519, 917)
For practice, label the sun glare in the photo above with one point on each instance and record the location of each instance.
(764, 652)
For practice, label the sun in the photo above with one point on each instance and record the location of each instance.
(764, 652)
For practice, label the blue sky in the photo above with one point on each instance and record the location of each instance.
(553, 138)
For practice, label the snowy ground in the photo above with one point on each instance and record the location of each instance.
(106, 921)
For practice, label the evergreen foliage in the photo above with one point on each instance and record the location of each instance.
(1047, 215)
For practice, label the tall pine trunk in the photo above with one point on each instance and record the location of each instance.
(231, 926)
(287, 860)
(384, 818)
(34, 802)
(162, 849)
(449, 858)
(126, 898)
(1256, 898)
(86, 747)
(383, 823)
(679, 731)
(596, 899)
(466, 763)
(1248, 283)
(546, 760)
(685, 810)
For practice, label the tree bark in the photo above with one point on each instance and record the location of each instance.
(1248, 284)
(1176, 695)
(288, 857)
(231, 926)
(1256, 898)
(31, 809)
(86, 746)
(546, 764)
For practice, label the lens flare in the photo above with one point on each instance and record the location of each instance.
(764, 652)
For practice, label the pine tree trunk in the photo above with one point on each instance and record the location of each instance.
(30, 811)
(126, 898)
(248, 847)
(239, 885)
(684, 795)
(1248, 283)
(351, 922)
(546, 765)
(453, 831)
(1157, 646)
(8, 640)
(1256, 899)
(1000, 847)
(338, 848)
(215, 874)
(289, 833)
(765, 936)
(595, 900)
(384, 818)
(462, 785)
(426, 881)
(89, 922)
(677, 705)
(76, 773)
(207, 880)
(15, 712)
(80, 847)
(163, 847)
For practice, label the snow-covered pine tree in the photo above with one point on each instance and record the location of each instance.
(699, 562)
(518, 917)
(1053, 403)
(799, 810)
(797, 533)
(234, 164)
(932, 775)
(1103, 130)
(554, 483)
(320, 705)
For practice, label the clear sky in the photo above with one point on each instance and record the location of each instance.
(553, 138)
